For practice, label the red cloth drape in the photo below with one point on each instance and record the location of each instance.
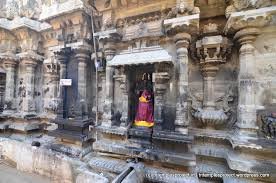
(144, 114)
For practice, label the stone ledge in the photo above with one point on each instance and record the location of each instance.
(236, 141)
(185, 159)
(172, 136)
(152, 174)
(112, 130)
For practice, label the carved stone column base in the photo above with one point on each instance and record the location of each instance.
(182, 130)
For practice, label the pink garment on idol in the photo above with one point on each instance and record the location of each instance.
(145, 109)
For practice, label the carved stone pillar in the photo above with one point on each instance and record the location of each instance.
(182, 26)
(245, 26)
(109, 51)
(51, 83)
(246, 108)
(10, 66)
(82, 56)
(182, 42)
(160, 81)
(122, 80)
(212, 51)
(62, 61)
(28, 104)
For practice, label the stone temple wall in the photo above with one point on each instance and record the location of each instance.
(71, 72)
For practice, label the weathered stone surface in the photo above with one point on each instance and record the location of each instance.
(75, 70)
(38, 160)
(89, 177)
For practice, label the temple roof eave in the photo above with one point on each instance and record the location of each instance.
(141, 58)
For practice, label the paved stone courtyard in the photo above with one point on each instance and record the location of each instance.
(11, 175)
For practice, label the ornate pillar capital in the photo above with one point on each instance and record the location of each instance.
(82, 55)
(182, 40)
(208, 60)
(9, 59)
(30, 58)
(256, 18)
(184, 17)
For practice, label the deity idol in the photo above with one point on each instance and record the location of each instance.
(144, 113)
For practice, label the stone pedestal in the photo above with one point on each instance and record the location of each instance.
(74, 128)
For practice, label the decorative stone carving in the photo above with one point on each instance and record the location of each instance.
(183, 8)
(108, 39)
(29, 8)
(51, 82)
(239, 5)
(160, 80)
(269, 125)
(182, 41)
(10, 66)
(246, 27)
(26, 87)
(189, 24)
(211, 51)
(257, 18)
(121, 78)
(120, 3)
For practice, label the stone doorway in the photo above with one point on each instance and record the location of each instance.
(135, 74)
